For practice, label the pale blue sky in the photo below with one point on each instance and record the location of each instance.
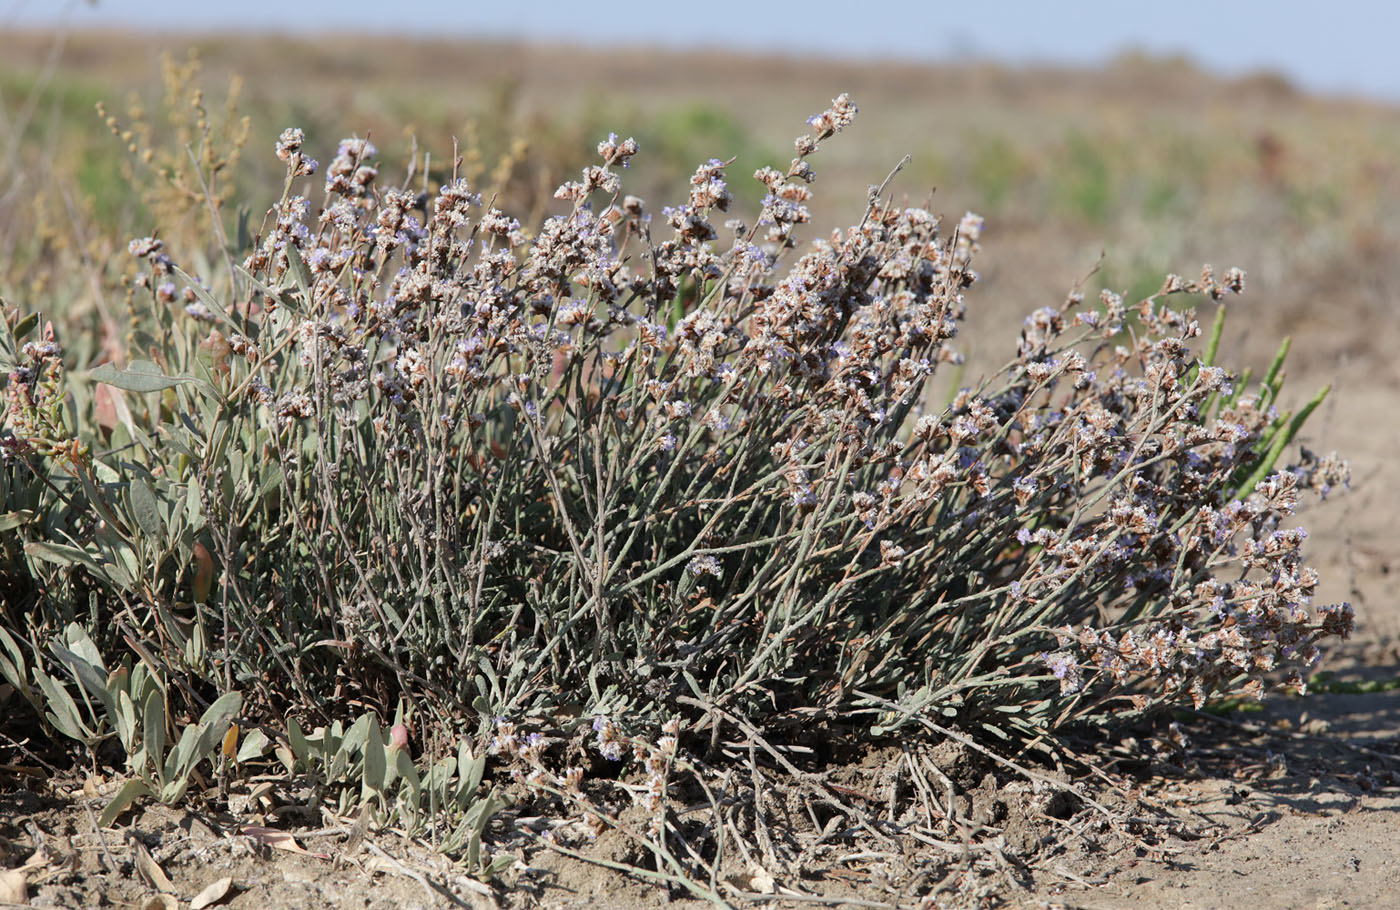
(1346, 46)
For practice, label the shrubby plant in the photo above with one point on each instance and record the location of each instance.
(645, 463)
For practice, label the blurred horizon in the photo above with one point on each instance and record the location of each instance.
(1345, 52)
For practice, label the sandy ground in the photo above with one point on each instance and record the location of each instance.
(1316, 830)
(1294, 805)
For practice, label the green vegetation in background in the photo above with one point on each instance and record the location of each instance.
(1083, 184)
(998, 170)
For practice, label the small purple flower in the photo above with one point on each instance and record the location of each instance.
(505, 741)
(608, 742)
(1065, 668)
(704, 565)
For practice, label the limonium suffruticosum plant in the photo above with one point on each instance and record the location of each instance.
(637, 460)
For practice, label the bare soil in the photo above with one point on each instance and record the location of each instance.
(1294, 804)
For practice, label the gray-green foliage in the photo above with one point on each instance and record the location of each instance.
(400, 447)
(359, 766)
(128, 703)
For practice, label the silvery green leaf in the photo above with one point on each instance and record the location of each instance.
(254, 744)
(145, 509)
(288, 301)
(194, 504)
(353, 742)
(499, 863)
(139, 376)
(173, 790)
(125, 720)
(195, 647)
(140, 684)
(62, 710)
(66, 722)
(458, 838)
(14, 668)
(300, 273)
(62, 555)
(212, 303)
(183, 757)
(121, 563)
(375, 765)
(153, 731)
(471, 768)
(438, 776)
(215, 723)
(176, 444)
(326, 741)
(11, 520)
(339, 765)
(301, 750)
(403, 764)
(89, 677)
(130, 792)
(477, 818)
(272, 479)
(25, 326)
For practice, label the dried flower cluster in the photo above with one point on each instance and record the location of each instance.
(497, 468)
(584, 815)
(34, 404)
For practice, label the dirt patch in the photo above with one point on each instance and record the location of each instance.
(1302, 797)
(1294, 803)
(71, 863)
